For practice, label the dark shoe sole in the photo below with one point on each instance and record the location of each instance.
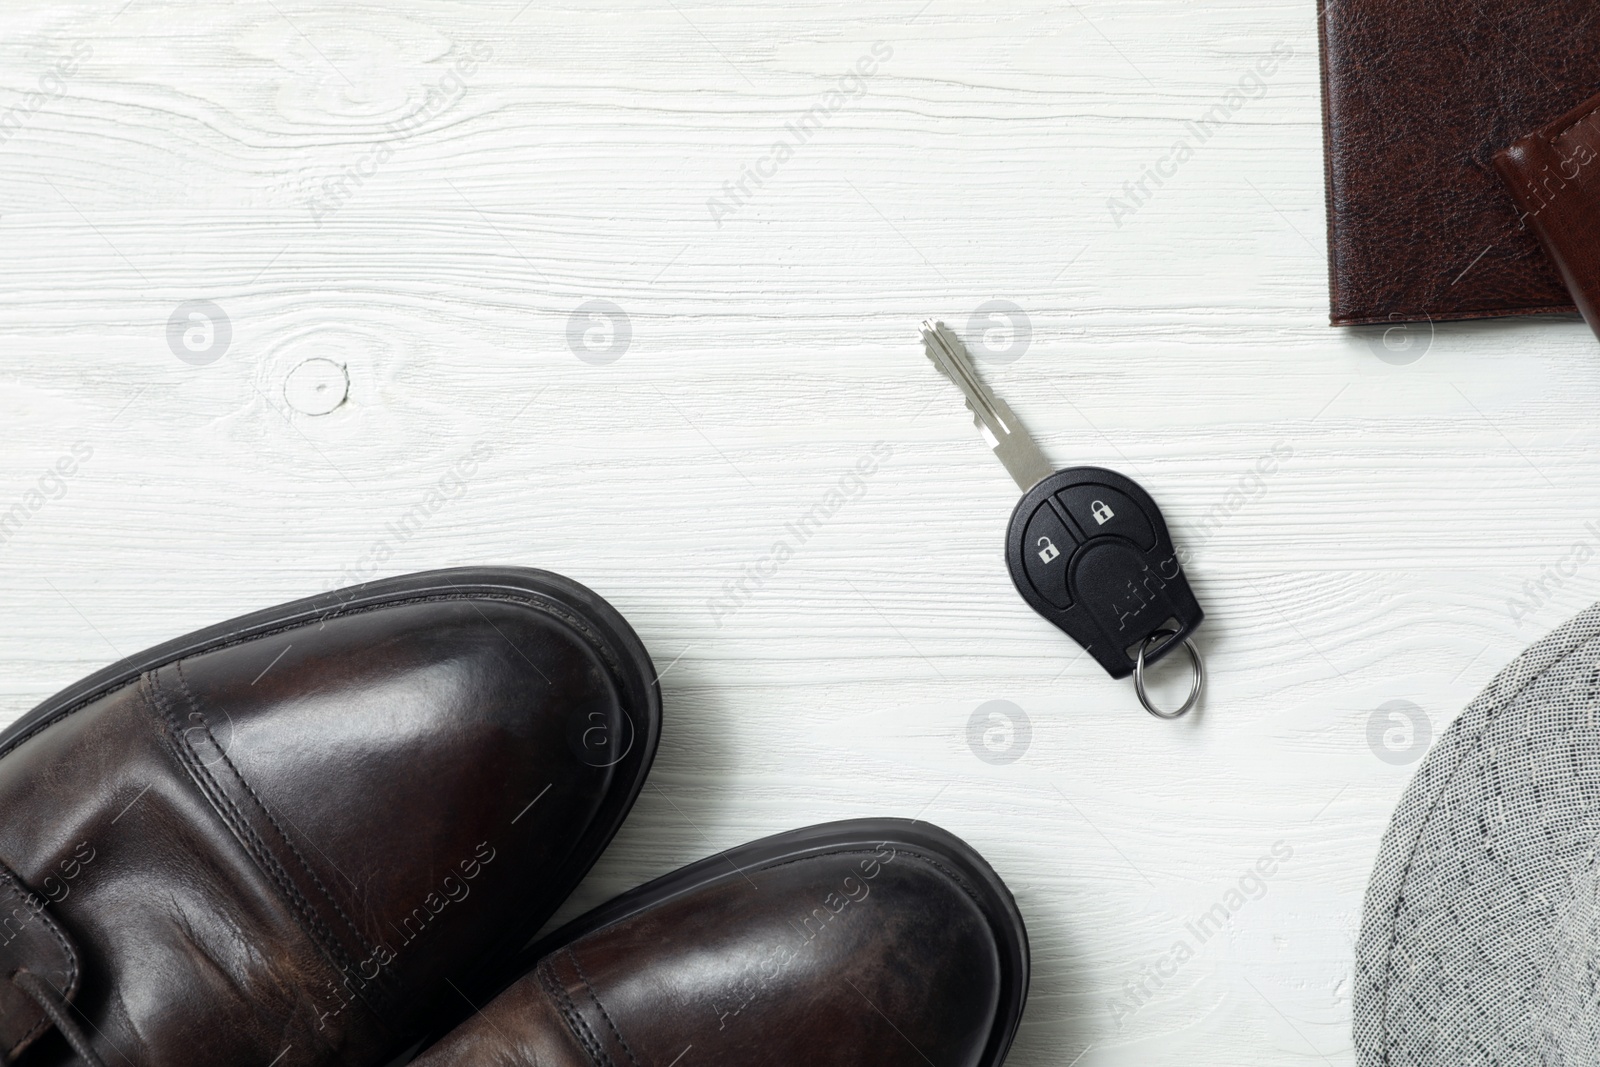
(597, 621)
(904, 835)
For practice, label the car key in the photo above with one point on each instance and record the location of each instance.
(1087, 548)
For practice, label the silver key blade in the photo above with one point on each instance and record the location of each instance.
(998, 424)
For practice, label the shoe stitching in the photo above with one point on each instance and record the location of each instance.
(586, 1036)
(305, 917)
(194, 703)
(14, 886)
(575, 1017)
(550, 607)
(556, 991)
(589, 988)
(600, 644)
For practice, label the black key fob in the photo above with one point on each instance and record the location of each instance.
(1089, 550)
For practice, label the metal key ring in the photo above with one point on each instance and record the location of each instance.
(1194, 689)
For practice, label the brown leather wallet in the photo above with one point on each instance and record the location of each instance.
(1554, 174)
(1418, 95)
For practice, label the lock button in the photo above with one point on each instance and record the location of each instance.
(1049, 544)
(1100, 510)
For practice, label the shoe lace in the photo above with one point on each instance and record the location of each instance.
(56, 1010)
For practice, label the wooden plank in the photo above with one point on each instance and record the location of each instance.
(329, 178)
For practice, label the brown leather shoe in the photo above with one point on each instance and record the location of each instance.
(879, 941)
(310, 834)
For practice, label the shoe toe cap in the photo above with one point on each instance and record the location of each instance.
(403, 745)
(876, 954)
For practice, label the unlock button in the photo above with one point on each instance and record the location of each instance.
(1045, 555)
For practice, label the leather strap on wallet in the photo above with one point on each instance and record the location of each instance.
(1554, 174)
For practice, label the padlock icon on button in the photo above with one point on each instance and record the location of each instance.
(1049, 551)
(1102, 512)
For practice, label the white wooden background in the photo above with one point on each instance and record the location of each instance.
(181, 157)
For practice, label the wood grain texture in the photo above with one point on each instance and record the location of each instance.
(1422, 526)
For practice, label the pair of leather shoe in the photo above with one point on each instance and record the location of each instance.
(327, 833)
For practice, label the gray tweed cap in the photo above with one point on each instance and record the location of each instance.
(1480, 941)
